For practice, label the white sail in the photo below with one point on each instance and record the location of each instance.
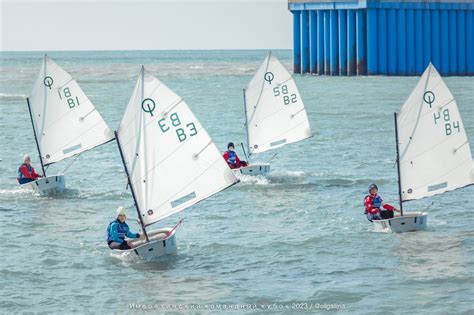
(274, 109)
(434, 151)
(171, 160)
(65, 120)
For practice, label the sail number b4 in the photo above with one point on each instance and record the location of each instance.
(444, 117)
(182, 131)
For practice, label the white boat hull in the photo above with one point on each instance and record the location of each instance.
(156, 247)
(409, 222)
(253, 169)
(47, 185)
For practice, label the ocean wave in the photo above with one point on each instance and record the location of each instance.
(11, 97)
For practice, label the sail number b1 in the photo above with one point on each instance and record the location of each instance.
(183, 132)
(283, 91)
(70, 99)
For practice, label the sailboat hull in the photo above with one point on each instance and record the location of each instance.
(47, 185)
(409, 222)
(158, 245)
(253, 169)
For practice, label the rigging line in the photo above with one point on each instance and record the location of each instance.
(193, 180)
(456, 150)
(418, 117)
(70, 164)
(83, 117)
(196, 155)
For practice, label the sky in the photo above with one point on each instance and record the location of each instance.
(47, 25)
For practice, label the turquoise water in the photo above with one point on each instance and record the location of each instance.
(297, 236)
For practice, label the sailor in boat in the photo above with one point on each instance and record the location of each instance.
(375, 209)
(231, 157)
(118, 230)
(26, 172)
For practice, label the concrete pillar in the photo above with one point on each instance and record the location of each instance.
(372, 42)
(351, 43)
(401, 43)
(444, 42)
(334, 50)
(320, 53)
(392, 41)
(296, 42)
(342, 42)
(453, 43)
(461, 27)
(426, 38)
(313, 42)
(435, 39)
(410, 19)
(361, 42)
(327, 50)
(470, 43)
(419, 35)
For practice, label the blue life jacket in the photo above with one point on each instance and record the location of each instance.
(20, 174)
(232, 157)
(122, 229)
(376, 202)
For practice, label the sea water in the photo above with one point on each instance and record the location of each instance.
(294, 240)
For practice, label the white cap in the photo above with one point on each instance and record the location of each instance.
(121, 210)
(26, 157)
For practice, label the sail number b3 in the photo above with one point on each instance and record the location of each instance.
(183, 132)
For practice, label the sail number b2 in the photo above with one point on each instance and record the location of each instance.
(283, 91)
(183, 132)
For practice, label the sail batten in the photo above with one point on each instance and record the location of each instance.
(275, 113)
(172, 162)
(435, 155)
(65, 120)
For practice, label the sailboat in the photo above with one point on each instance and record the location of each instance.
(274, 112)
(65, 123)
(170, 161)
(433, 154)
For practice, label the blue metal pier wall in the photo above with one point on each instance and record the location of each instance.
(355, 37)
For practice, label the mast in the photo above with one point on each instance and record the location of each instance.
(246, 125)
(398, 165)
(36, 138)
(131, 186)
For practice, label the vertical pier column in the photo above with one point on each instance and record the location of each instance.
(334, 51)
(320, 54)
(435, 39)
(351, 43)
(410, 31)
(392, 41)
(382, 40)
(342, 42)
(444, 21)
(361, 42)
(326, 43)
(470, 43)
(372, 42)
(313, 42)
(419, 42)
(453, 43)
(461, 19)
(401, 42)
(296, 42)
(426, 38)
(304, 41)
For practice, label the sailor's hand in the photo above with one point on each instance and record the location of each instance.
(129, 243)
